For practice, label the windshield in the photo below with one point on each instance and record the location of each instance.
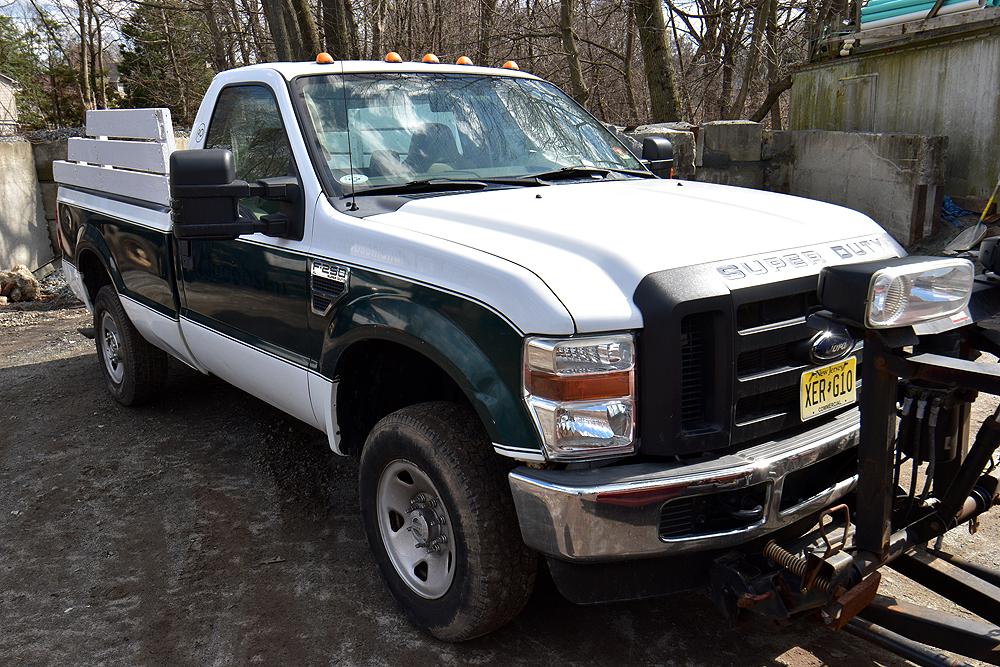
(413, 127)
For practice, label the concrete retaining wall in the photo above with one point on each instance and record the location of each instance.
(45, 153)
(24, 234)
(897, 179)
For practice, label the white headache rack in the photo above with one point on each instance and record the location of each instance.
(128, 156)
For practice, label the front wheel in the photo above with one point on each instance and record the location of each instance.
(440, 520)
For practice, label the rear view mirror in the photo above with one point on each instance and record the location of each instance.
(658, 156)
(201, 206)
(205, 197)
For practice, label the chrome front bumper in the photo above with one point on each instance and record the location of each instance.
(613, 513)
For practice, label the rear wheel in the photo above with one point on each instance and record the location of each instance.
(441, 523)
(134, 371)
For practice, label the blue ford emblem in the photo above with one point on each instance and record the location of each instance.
(831, 345)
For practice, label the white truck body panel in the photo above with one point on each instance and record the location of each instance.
(132, 169)
(592, 243)
(149, 156)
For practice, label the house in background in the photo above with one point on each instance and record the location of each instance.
(8, 105)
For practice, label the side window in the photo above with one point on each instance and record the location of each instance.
(247, 122)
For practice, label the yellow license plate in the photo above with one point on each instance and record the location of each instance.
(828, 388)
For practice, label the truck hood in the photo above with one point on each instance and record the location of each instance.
(592, 243)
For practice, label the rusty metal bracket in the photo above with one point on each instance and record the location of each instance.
(843, 508)
(847, 606)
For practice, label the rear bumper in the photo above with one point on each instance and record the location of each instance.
(614, 512)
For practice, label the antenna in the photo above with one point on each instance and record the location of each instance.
(353, 205)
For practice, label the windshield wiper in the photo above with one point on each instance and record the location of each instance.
(582, 170)
(421, 186)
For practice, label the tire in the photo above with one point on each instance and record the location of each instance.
(492, 572)
(134, 371)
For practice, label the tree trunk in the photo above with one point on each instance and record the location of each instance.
(309, 34)
(772, 98)
(771, 29)
(486, 11)
(756, 44)
(633, 108)
(577, 86)
(352, 30)
(219, 59)
(378, 25)
(86, 92)
(663, 103)
(275, 16)
(335, 29)
(182, 89)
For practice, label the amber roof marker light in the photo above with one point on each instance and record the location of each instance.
(324, 58)
(510, 64)
(430, 58)
(463, 60)
(393, 57)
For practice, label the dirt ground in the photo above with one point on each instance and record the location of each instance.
(209, 528)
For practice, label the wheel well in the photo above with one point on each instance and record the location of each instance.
(95, 276)
(377, 378)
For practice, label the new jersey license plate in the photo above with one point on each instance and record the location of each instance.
(828, 388)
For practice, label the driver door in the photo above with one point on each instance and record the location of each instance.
(245, 303)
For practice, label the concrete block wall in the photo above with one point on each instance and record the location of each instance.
(685, 148)
(24, 234)
(45, 153)
(897, 179)
(729, 153)
(28, 217)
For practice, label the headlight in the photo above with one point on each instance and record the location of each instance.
(897, 292)
(581, 394)
(906, 295)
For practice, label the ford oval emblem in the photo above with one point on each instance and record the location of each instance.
(830, 345)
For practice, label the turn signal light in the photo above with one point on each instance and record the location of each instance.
(581, 394)
(430, 58)
(510, 64)
(393, 57)
(324, 58)
(463, 60)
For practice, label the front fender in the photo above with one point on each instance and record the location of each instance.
(477, 348)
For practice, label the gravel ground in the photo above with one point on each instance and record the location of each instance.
(209, 528)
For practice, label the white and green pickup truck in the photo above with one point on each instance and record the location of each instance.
(539, 352)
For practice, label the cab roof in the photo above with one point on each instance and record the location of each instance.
(291, 70)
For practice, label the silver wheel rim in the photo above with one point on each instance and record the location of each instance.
(111, 346)
(416, 529)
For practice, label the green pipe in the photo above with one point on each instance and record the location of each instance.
(925, 6)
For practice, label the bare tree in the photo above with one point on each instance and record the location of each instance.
(664, 105)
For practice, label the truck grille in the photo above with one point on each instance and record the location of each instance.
(721, 367)
(696, 351)
(770, 357)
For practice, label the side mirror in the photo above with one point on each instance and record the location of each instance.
(205, 197)
(658, 155)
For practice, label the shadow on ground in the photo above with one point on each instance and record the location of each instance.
(210, 528)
